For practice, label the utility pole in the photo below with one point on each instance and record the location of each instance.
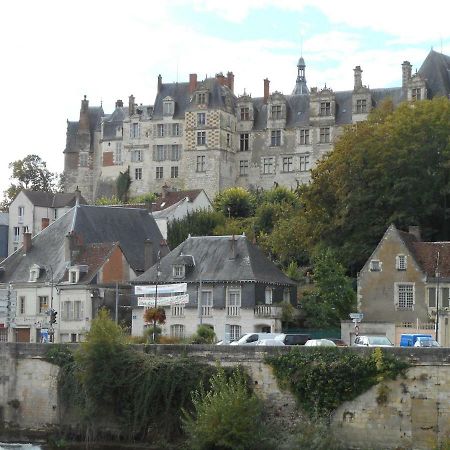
(437, 274)
(117, 302)
(158, 274)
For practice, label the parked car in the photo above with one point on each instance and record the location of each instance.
(372, 341)
(426, 342)
(270, 343)
(339, 342)
(253, 338)
(293, 338)
(320, 343)
(409, 340)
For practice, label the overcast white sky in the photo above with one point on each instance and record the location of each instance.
(54, 52)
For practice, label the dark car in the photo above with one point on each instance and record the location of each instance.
(293, 338)
(339, 342)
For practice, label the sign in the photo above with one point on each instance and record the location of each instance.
(163, 301)
(162, 289)
(356, 316)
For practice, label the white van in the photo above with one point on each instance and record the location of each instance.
(253, 338)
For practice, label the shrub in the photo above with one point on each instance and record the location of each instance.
(204, 335)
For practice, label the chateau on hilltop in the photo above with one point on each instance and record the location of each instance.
(200, 135)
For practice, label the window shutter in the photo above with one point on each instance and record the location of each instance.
(154, 152)
(165, 153)
(432, 297)
(81, 310)
(444, 301)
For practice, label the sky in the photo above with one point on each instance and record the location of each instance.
(55, 51)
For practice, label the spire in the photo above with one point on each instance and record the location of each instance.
(300, 85)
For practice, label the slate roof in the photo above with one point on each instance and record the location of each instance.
(92, 225)
(436, 70)
(214, 262)
(171, 198)
(4, 218)
(50, 200)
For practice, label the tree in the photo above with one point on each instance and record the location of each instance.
(392, 168)
(123, 184)
(235, 202)
(332, 297)
(29, 173)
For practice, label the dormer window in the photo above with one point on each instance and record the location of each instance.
(178, 271)
(400, 262)
(276, 112)
(75, 273)
(201, 98)
(168, 107)
(35, 273)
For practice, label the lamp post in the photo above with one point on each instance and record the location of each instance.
(158, 274)
(51, 315)
(437, 274)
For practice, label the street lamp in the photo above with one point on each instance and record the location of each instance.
(158, 274)
(437, 275)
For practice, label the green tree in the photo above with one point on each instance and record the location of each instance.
(123, 184)
(29, 173)
(332, 298)
(392, 168)
(235, 202)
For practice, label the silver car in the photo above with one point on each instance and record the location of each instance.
(372, 341)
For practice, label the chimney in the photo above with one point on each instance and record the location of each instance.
(26, 242)
(45, 222)
(266, 89)
(72, 246)
(119, 103)
(159, 83)
(406, 73)
(358, 78)
(77, 196)
(165, 190)
(83, 126)
(148, 254)
(233, 247)
(415, 231)
(221, 79)
(230, 79)
(192, 82)
(131, 105)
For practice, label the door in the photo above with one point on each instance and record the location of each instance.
(22, 335)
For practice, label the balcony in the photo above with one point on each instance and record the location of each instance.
(267, 311)
(233, 311)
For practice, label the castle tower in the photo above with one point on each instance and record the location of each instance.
(300, 85)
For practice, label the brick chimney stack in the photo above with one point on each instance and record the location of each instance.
(159, 83)
(358, 78)
(119, 103)
(131, 105)
(26, 242)
(192, 82)
(406, 73)
(83, 126)
(266, 89)
(149, 260)
(45, 222)
(230, 78)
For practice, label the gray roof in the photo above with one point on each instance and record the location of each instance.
(214, 262)
(50, 200)
(92, 225)
(4, 218)
(436, 71)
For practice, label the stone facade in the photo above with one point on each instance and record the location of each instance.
(199, 134)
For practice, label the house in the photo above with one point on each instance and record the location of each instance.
(4, 227)
(201, 134)
(78, 263)
(174, 205)
(32, 211)
(240, 289)
(403, 284)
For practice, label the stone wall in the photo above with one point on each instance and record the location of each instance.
(410, 413)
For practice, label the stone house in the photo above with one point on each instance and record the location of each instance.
(32, 211)
(241, 291)
(403, 285)
(75, 265)
(200, 135)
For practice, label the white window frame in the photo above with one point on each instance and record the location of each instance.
(404, 296)
(268, 295)
(207, 302)
(286, 295)
(276, 112)
(137, 155)
(325, 108)
(118, 155)
(276, 138)
(22, 303)
(176, 129)
(268, 164)
(201, 138)
(234, 302)
(159, 172)
(43, 304)
(138, 173)
(401, 262)
(16, 234)
(361, 106)
(177, 330)
(135, 130)
(245, 113)
(178, 271)
(234, 332)
(304, 162)
(243, 167)
(304, 136)
(288, 164)
(174, 172)
(201, 118)
(201, 163)
(324, 135)
(20, 213)
(177, 310)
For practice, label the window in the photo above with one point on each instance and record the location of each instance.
(160, 130)
(136, 156)
(286, 295)
(158, 153)
(174, 172)
(243, 142)
(35, 272)
(207, 303)
(118, 153)
(135, 131)
(245, 113)
(83, 160)
(235, 332)
(177, 331)
(432, 297)
(201, 164)
(287, 164)
(268, 296)
(74, 276)
(324, 135)
(201, 118)
(177, 310)
(304, 163)
(178, 271)
(361, 106)
(276, 112)
(416, 94)
(201, 98)
(375, 265)
(243, 167)
(168, 108)
(267, 165)
(138, 173)
(444, 298)
(405, 296)
(201, 137)
(159, 173)
(275, 138)
(43, 304)
(72, 310)
(77, 310)
(234, 302)
(304, 137)
(325, 108)
(16, 235)
(400, 262)
(175, 129)
(175, 152)
(22, 305)
(228, 140)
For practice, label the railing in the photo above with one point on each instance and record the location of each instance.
(206, 311)
(233, 310)
(267, 311)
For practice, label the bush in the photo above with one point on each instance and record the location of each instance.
(229, 416)
(204, 335)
